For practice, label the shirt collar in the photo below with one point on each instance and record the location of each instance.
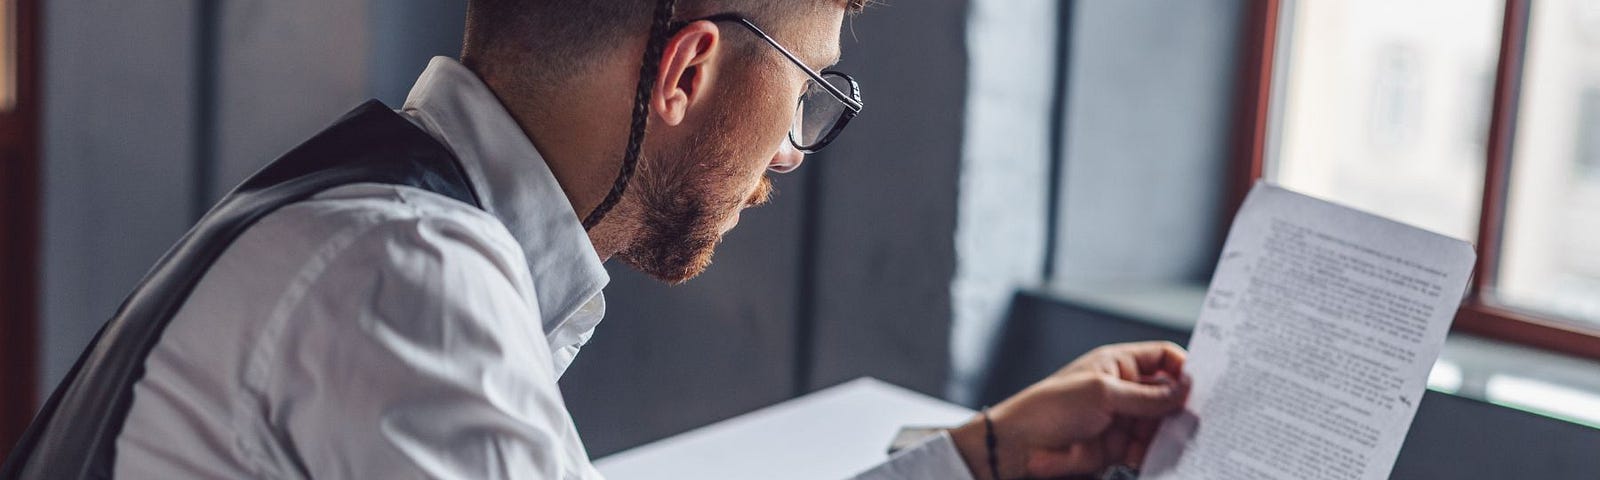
(514, 184)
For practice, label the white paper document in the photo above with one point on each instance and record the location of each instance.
(1314, 345)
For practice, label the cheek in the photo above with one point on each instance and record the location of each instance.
(764, 129)
(783, 115)
(750, 134)
(778, 109)
(768, 123)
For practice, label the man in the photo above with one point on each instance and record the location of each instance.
(397, 297)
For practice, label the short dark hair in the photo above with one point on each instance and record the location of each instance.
(564, 35)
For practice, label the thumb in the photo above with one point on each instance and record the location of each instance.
(1145, 399)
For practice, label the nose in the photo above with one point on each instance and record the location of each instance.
(786, 160)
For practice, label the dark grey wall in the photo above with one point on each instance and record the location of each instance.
(885, 251)
(117, 153)
(407, 33)
(285, 69)
(1151, 89)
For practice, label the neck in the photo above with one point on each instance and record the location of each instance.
(580, 132)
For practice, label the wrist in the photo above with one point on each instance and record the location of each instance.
(969, 442)
(982, 448)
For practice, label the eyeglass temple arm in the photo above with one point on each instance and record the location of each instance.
(848, 100)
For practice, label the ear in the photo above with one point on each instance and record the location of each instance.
(685, 70)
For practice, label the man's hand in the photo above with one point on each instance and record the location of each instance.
(1099, 410)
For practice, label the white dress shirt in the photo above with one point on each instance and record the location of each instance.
(381, 331)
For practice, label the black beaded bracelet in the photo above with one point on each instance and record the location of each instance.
(989, 441)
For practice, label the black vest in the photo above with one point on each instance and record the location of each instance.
(74, 434)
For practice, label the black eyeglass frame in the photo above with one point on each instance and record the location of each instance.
(851, 101)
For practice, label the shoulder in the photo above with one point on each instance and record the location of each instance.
(368, 258)
(391, 222)
(394, 278)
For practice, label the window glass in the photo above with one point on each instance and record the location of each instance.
(1550, 254)
(1385, 106)
(8, 55)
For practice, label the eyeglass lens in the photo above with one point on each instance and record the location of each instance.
(818, 111)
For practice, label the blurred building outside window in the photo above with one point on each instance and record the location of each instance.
(1386, 107)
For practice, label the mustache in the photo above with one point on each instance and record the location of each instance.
(762, 194)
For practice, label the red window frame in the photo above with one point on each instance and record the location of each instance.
(1479, 314)
(19, 236)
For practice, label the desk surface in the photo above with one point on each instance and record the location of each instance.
(831, 433)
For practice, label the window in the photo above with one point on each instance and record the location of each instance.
(1550, 255)
(1386, 107)
(1478, 119)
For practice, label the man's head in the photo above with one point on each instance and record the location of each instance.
(720, 109)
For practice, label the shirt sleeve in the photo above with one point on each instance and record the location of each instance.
(417, 353)
(935, 458)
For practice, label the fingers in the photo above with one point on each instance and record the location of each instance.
(1144, 400)
(1153, 357)
(1127, 367)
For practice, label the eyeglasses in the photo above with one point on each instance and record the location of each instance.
(830, 100)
